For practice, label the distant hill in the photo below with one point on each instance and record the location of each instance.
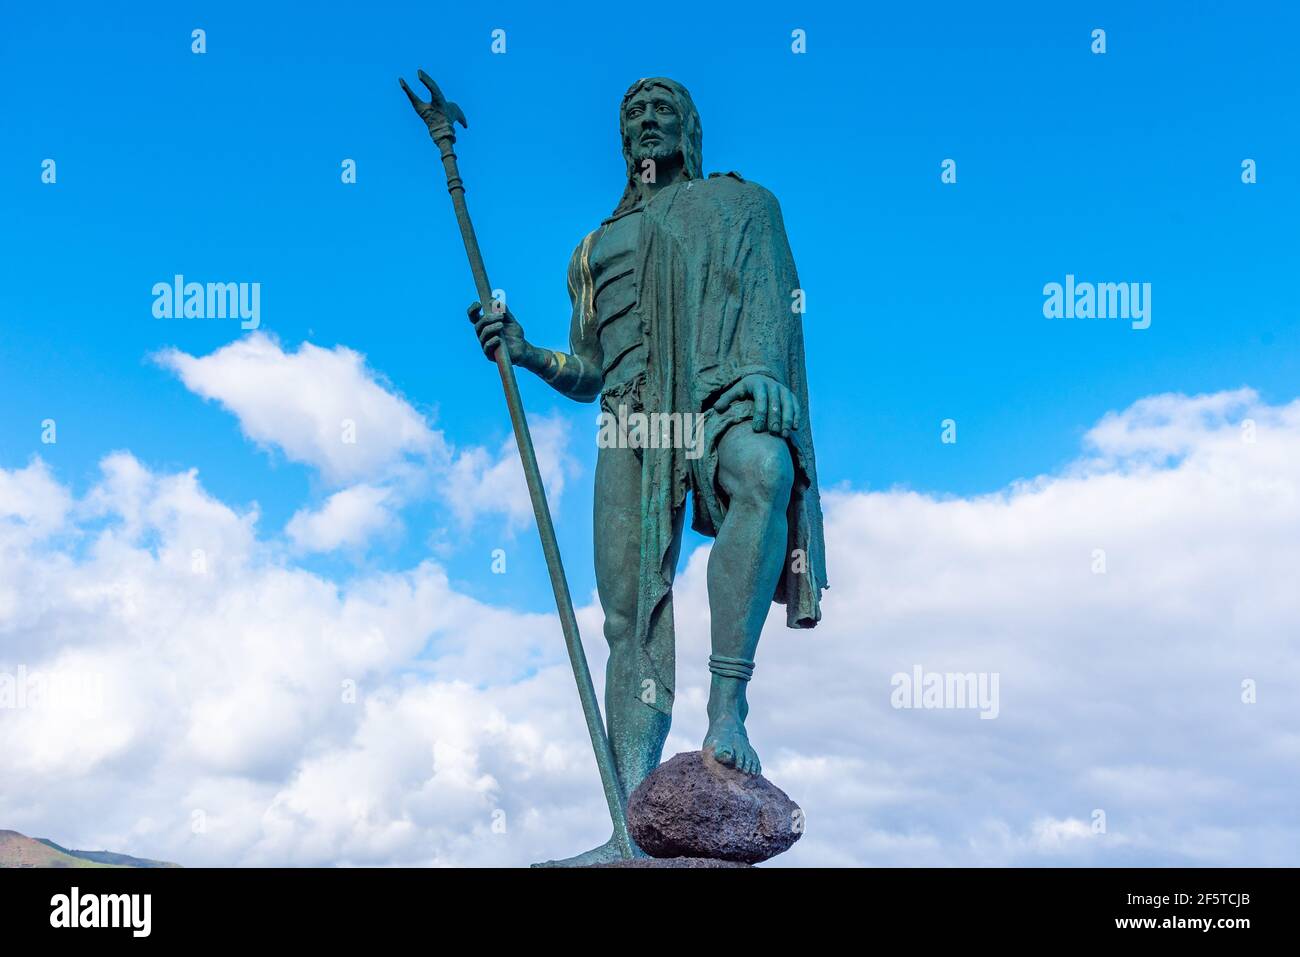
(17, 850)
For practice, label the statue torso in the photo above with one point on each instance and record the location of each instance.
(613, 276)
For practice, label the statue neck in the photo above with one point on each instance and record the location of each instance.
(667, 173)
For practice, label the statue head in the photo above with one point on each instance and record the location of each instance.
(657, 121)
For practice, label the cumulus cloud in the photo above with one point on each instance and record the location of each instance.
(320, 407)
(347, 519)
(326, 409)
(32, 501)
(226, 685)
(1138, 606)
(480, 482)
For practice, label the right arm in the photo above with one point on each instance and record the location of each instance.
(577, 373)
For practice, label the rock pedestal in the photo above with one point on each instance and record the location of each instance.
(693, 807)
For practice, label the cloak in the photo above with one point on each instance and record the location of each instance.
(717, 284)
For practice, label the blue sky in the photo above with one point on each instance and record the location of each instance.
(924, 303)
(924, 298)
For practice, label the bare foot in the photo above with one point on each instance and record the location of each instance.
(726, 736)
(730, 746)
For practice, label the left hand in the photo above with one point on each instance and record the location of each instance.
(776, 409)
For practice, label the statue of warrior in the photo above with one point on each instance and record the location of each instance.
(685, 300)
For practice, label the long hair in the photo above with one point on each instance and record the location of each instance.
(692, 136)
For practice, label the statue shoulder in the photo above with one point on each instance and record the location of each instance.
(580, 269)
(584, 246)
(580, 258)
(733, 184)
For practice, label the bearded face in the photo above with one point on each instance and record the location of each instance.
(659, 123)
(652, 127)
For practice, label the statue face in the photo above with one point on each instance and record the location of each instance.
(654, 128)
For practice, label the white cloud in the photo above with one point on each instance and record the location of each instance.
(321, 407)
(1120, 692)
(348, 519)
(31, 501)
(480, 483)
(1160, 426)
(324, 408)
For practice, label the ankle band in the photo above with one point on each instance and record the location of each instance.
(725, 667)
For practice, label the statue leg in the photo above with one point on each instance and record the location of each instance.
(636, 731)
(756, 471)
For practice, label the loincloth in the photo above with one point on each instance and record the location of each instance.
(709, 499)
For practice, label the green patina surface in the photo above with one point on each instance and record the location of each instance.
(686, 309)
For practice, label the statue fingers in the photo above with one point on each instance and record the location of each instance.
(761, 399)
(504, 314)
(776, 409)
(474, 310)
(789, 411)
(730, 396)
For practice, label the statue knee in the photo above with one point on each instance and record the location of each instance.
(766, 474)
(618, 628)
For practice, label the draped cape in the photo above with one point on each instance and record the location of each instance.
(719, 299)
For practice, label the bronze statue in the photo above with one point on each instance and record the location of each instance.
(686, 309)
